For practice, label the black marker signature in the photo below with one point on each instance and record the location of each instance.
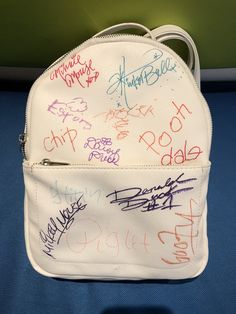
(157, 197)
(59, 225)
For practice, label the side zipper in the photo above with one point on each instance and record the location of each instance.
(22, 141)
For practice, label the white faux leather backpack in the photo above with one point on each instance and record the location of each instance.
(116, 160)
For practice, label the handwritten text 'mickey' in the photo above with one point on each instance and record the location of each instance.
(59, 225)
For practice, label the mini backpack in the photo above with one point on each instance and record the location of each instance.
(116, 160)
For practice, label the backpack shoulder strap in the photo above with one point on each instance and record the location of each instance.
(168, 32)
(120, 27)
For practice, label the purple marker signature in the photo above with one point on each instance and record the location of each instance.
(72, 110)
(102, 150)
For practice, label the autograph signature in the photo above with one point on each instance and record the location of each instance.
(72, 110)
(157, 197)
(57, 226)
(102, 150)
(63, 193)
(76, 71)
(148, 74)
(182, 236)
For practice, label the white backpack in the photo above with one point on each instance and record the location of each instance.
(116, 160)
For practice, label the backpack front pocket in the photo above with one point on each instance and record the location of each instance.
(134, 223)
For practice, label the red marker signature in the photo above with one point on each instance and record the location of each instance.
(76, 70)
(55, 140)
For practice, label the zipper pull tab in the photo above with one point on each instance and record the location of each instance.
(48, 162)
(22, 141)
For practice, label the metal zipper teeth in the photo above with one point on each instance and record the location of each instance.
(51, 163)
(203, 100)
(85, 43)
(47, 163)
(22, 140)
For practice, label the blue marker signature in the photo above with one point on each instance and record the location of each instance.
(148, 74)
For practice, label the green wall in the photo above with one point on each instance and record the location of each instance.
(35, 33)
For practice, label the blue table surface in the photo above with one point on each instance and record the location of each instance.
(22, 290)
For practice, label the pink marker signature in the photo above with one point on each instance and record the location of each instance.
(121, 117)
(89, 234)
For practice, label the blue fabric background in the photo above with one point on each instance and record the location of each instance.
(22, 290)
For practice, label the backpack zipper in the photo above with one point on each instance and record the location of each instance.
(22, 141)
(51, 163)
(48, 162)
